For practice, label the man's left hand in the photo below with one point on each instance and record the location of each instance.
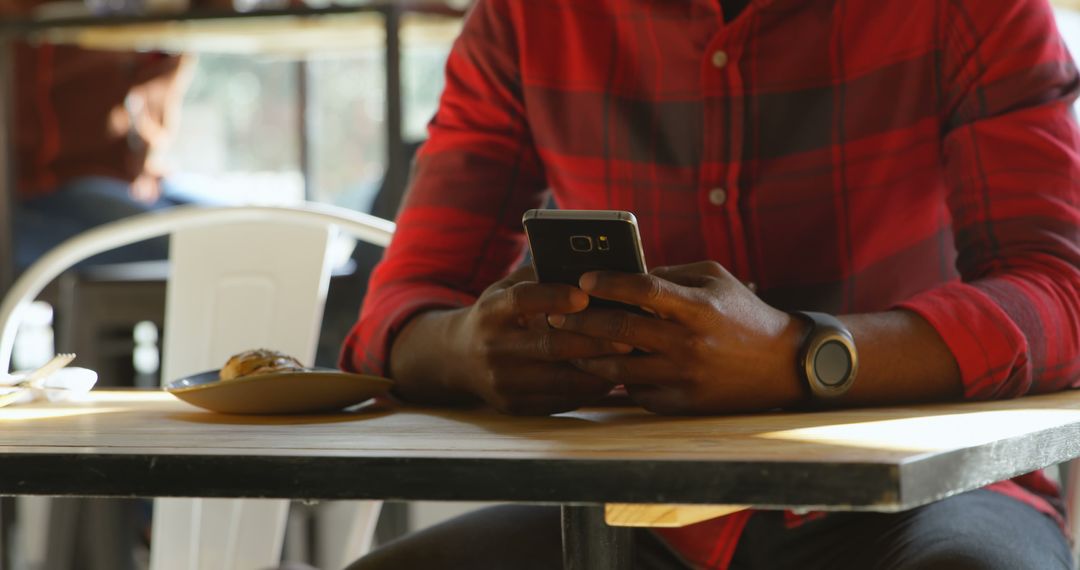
(710, 345)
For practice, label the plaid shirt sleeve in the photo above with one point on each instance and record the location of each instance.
(459, 229)
(1011, 158)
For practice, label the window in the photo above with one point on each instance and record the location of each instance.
(1068, 21)
(239, 139)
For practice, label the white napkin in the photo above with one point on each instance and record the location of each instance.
(66, 384)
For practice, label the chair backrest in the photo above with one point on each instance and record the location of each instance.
(1070, 481)
(242, 286)
(240, 277)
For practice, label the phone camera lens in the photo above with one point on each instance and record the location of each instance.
(581, 243)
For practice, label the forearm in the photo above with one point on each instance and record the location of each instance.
(902, 359)
(422, 362)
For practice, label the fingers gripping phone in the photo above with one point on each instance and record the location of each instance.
(568, 243)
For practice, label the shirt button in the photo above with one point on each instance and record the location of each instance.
(719, 59)
(717, 196)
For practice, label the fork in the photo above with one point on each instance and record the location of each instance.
(36, 378)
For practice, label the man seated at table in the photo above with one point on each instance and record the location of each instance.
(90, 129)
(910, 167)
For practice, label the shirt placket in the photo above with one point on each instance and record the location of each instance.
(718, 190)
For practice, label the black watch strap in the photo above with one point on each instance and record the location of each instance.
(828, 361)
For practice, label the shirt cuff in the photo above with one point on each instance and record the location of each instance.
(367, 348)
(989, 347)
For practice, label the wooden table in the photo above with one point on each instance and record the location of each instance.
(127, 443)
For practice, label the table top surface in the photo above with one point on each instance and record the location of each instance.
(76, 13)
(129, 443)
(289, 32)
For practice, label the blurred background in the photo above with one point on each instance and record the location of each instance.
(234, 141)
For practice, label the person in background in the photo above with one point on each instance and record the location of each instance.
(90, 127)
(906, 172)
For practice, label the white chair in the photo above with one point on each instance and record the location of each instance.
(240, 278)
(1069, 474)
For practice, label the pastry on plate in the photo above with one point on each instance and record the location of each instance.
(258, 361)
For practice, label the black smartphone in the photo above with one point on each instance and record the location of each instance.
(568, 243)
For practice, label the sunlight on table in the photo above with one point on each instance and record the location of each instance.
(94, 403)
(19, 413)
(931, 433)
(146, 396)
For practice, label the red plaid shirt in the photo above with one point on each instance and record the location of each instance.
(847, 156)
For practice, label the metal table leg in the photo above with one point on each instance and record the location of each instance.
(7, 234)
(7, 524)
(590, 544)
(397, 164)
(7, 162)
(305, 127)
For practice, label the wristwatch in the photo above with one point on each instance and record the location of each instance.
(827, 360)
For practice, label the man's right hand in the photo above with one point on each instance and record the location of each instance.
(501, 350)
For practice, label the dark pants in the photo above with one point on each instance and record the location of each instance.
(79, 205)
(978, 530)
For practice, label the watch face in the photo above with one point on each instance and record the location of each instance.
(828, 358)
(832, 363)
